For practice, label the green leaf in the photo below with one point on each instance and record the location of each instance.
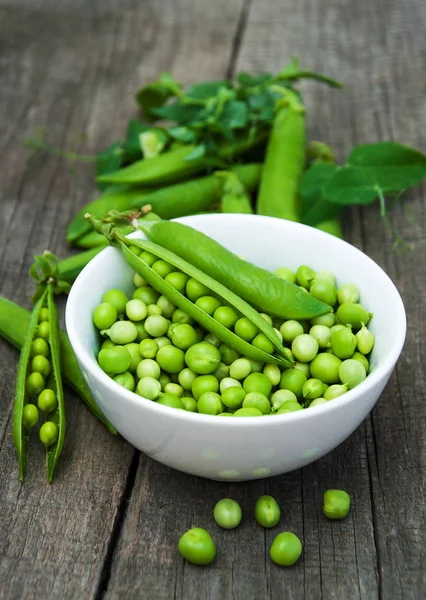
(207, 89)
(314, 208)
(178, 112)
(247, 80)
(234, 115)
(182, 134)
(351, 185)
(198, 152)
(385, 154)
(155, 94)
(132, 147)
(108, 161)
(262, 106)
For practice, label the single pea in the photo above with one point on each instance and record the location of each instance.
(288, 407)
(339, 327)
(285, 273)
(203, 384)
(162, 267)
(148, 348)
(154, 309)
(177, 280)
(117, 298)
(322, 334)
(257, 400)
(334, 391)
(312, 388)
(162, 341)
(139, 281)
(362, 359)
(184, 336)
(304, 347)
(327, 275)
(233, 397)
(48, 433)
(263, 343)
(240, 368)
(227, 513)
(210, 338)
(47, 401)
(122, 332)
(304, 367)
(136, 310)
(186, 378)
(166, 306)
(43, 315)
(43, 330)
(279, 398)
(170, 400)
(257, 382)
(107, 344)
(195, 290)
(40, 364)
(352, 373)
(135, 249)
(208, 304)
(141, 333)
(364, 340)
(325, 367)
(245, 329)
(293, 380)
(148, 257)
(327, 320)
(30, 416)
(290, 330)
(164, 379)
(181, 317)
(35, 384)
(228, 354)
(226, 316)
(248, 412)
(286, 549)
(209, 403)
(228, 382)
(317, 402)
(221, 371)
(156, 325)
(114, 360)
(146, 294)
(148, 368)
(197, 546)
(149, 388)
(39, 346)
(202, 358)
(336, 504)
(348, 292)
(324, 290)
(267, 511)
(304, 276)
(257, 366)
(104, 315)
(135, 356)
(171, 359)
(189, 404)
(343, 343)
(267, 318)
(353, 314)
(273, 373)
(126, 380)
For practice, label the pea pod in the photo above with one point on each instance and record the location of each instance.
(91, 240)
(15, 323)
(70, 267)
(235, 198)
(260, 288)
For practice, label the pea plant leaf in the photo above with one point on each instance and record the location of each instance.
(108, 161)
(182, 134)
(250, 81)
(132, 147)
(178, 112)
(234, 115)
(385, 154)
(155, 94)
(207, 89)
(314, 208)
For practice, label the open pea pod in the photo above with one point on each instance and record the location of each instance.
(225, 335)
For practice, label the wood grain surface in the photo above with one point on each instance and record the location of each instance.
(109, 525)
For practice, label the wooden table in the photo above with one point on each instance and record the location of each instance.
(109, 525)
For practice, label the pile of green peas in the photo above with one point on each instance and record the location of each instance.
(153, 348)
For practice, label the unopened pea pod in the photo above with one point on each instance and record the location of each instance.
(262, 289)
(211, 324)
(91, 240)
(15, 323)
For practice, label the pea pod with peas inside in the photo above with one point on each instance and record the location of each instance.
(260, 288)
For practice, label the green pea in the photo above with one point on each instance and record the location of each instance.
(286, 549)
(171, 359)
(285, 273)
(290, 330)
(257, 366)
(126, 380)
(233, 397)
(257, 400)
(267, 318)
(40, 364)
(189, 404)
(240, 368)
(184, 336)
(146, 294)
(263, 343)
(304, 347)
(273, 373)
(304, 276)
(177, 280)
(166, 306)
(293, 380)
(148, 257)
(228, 355)
(325, 367)
(304, 367)
(279, 397)
(202, 358)
(186, 378)
(156, 325)
(336, 504)
(267, 511)
(35, 384)
(227, 513)
(343, 343)
(148, 368)
(334, 391)
(339, 327)
(148, 348)
(149, 388)
(107, 344)
(225, 414)
(181, 317)
(248, 412)
(136, 310)
(288, 407)
(322, 334)
(353, 314)
(203, 384)
(114, 360)
(257, 382)
(348, 292)
(141, 333)
(362, 359)
(162, 267)
(364, 340)
(327, 320)
(153, 310)
(47, 401)
(197, 546)
(312, 388)
(104, 315)
(39, 346)
(221, 372)
(327, 275)
(245, 329)
(208, 304)
(209, 403)
(226, 316)
(324, 290)
(162, 341)
(317, 402)
(43, 330)
(30, 416)
(117, 298)
(48, 433)
(43, 315)
(228, 382)
(352, 373)
(135, 249)
(122, 332)
(164, 379)
(171, 401)
(139, 281)
(210, 338)
(195, 290)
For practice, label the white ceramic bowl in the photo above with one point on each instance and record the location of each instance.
(238, 449)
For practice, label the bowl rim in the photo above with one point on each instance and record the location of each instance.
(350, 396)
